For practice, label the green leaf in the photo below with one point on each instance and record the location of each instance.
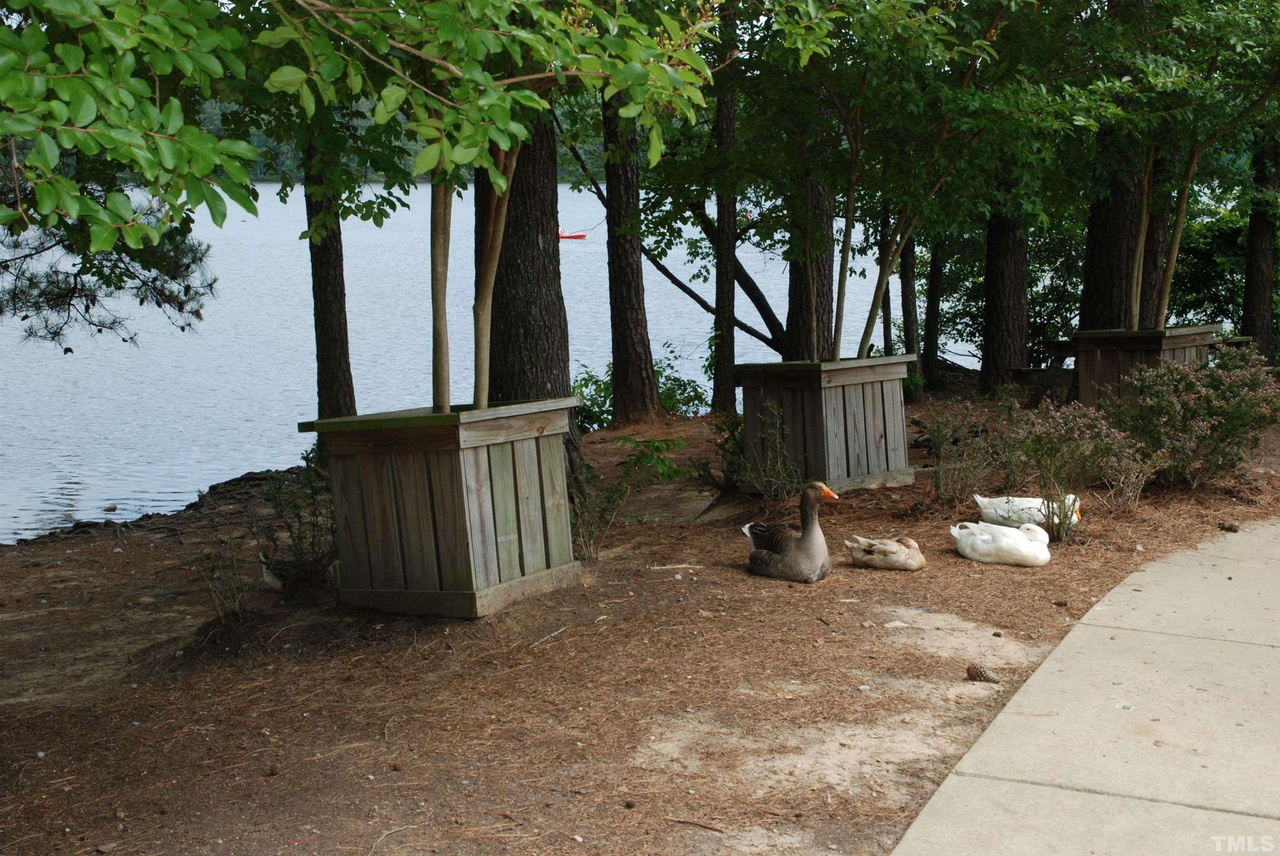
(631, 110)
(102, 238)
(46, 198)
(427, 159)
(45, 153)
(465, 154)
(655, 145)
(307, 100)
(286, 78)
(118, 204)
(83, 109)
(171, 116)
(71, 55)
(217, 206)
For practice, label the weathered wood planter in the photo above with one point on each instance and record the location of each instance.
(456, 514)
(843, 420)
(1104, 357)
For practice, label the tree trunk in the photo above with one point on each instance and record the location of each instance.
(810, 283)
(929, 365)
(910, 317)
(635, 388)
(1154, 251)
(1004, 314)
(886, 307)
(529, 349)
(724, 395)
(335, 389)
(1260, 251)
(1111, 239)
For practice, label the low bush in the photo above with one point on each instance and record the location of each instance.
(767, 471)
(1198, 422)
(679, 396)
(596, 505)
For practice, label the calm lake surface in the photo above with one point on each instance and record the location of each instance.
(146, 428)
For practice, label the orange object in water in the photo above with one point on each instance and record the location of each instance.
(572, 236)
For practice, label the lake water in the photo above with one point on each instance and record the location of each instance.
(145, 428)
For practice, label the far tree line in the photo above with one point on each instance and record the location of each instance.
(1017, 170)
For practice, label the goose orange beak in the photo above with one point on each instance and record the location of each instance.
(828, 493)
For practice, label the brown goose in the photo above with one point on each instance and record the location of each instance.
(782, 552)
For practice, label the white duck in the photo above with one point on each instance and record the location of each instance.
(886, 554)
(1028, 545)
(782, 552)
(1016, 510)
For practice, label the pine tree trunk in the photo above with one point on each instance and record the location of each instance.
(1260, 252)
(1111, 239)
(810, 283)
(724, 395)
(335, 389)
(910, 317)
(929, 365)
(529, 349)
(1004, 314)
(635, 388)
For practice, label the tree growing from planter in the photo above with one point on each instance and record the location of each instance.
(463, 75)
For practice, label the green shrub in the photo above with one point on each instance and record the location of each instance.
(307, 547)
(1073, 448)
(770, 472)
(597, 507)
(679, 396)
(1198, 421)
(960, 450)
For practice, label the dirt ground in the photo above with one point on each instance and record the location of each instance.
(668, 704)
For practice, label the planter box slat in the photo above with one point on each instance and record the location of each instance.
(843, 419)
(555, 505)
(417, 529)
(505, 517)
(453, 541)
(478, 498)
(513, 428)
(348, 513)
(877, 454)
(533, 545)
(377, 486)
(837, 431)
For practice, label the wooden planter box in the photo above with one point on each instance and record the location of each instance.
(843, 420)
(455, 514)
(1104, 357)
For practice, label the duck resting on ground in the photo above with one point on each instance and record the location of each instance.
(886, 554)
(785, 553)
(1016, 510)
(1028, 545)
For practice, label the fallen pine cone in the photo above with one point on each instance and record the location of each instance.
(1227, 526)
(974, 672)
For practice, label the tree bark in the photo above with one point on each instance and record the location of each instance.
(1004, 314)
(910, 316)
(1260, 251)
(929, 365)
(724, 395)
(1112, 236)
(886, 306)
(335, 389)
(635, 388)
(529, 349)
(810, 283)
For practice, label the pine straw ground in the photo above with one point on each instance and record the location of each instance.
(670, 703)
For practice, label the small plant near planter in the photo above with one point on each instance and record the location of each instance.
(1199, 421)
(960, 451)
(769, 472)
(302, 550)
(679, 396)
(597, 504)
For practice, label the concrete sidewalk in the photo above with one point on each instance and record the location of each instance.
(1153, 728)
